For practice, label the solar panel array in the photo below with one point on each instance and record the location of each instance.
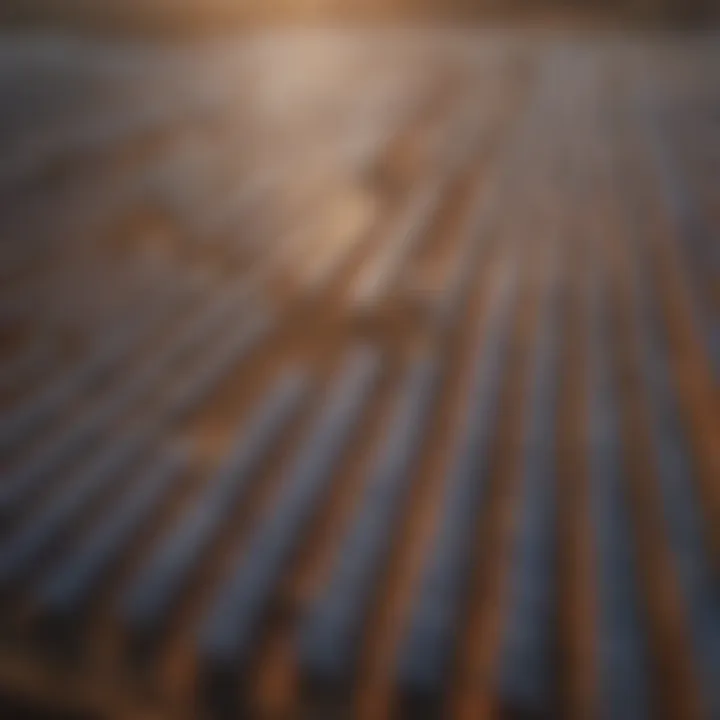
(362, 375)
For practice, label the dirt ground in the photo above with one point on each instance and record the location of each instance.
(213, 16)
